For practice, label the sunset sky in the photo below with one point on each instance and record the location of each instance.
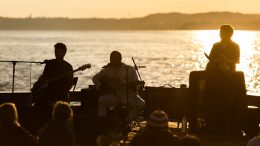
(119, 8)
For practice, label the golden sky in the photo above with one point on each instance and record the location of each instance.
(119, 8)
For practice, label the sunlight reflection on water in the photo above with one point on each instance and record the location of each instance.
(248, 53)
(169, 56)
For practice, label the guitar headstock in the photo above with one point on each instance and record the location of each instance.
(85, 66)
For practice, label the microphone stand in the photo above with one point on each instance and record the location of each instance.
(136, 68)
(127, 102)
(127, 121)
(14, 63)
(128, 126)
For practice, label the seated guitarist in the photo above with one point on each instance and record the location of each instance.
(112, 82)
(47, 93)
(225, 54)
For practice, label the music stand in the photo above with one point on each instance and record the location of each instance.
(14, 63)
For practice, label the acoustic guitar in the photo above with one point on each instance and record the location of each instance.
(41, 85)
(213, 65)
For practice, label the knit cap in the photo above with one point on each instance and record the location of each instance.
(158, 119)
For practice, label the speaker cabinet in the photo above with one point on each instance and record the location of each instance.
(171, 100)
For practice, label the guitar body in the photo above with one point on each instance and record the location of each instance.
(44, 96)
(35, 88)
(47, 90)
(38, 87)
(217, 66)
(111, 85)
(107, 85)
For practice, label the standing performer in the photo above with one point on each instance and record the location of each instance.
(55, 82)
(225, 54)
(117, 83)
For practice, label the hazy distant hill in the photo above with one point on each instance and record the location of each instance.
(162, 21)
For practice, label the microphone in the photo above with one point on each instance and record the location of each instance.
(45, 61)
(135, 66)
(140, 66)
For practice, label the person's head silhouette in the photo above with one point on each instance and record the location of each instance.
(226, 32)
(115, 58)
(190, 140)
(8, 114)
(158, 119)
(60, 50)
(62, 111)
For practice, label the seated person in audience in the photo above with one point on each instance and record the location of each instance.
(117, 84)
(190, 141)
(11, 132)
(59, 132)
(157, 132)
(254, 141)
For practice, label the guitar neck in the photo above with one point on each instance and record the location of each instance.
(76, 70)
(207, 55)
(63, 75)
(82, 68)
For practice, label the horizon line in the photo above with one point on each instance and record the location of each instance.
(118, 18)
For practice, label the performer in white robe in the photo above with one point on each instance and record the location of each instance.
(112, 81)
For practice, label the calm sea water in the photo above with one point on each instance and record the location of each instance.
(169, 56)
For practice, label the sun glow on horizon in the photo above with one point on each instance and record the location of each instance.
(119, 8)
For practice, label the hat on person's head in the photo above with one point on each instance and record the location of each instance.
(254, 141)
(158, 119)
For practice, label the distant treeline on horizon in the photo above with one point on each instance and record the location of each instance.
(159, 21)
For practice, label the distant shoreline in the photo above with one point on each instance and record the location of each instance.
(159, 21)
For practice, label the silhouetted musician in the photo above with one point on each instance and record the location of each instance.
(112, 82)
(225, 54)
(55, 82)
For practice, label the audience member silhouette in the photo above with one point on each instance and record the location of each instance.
(59, 131)
(225, 54)
(254, 141)
(190, 141)
(156, 133)
(112, 81)
(11, 132)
